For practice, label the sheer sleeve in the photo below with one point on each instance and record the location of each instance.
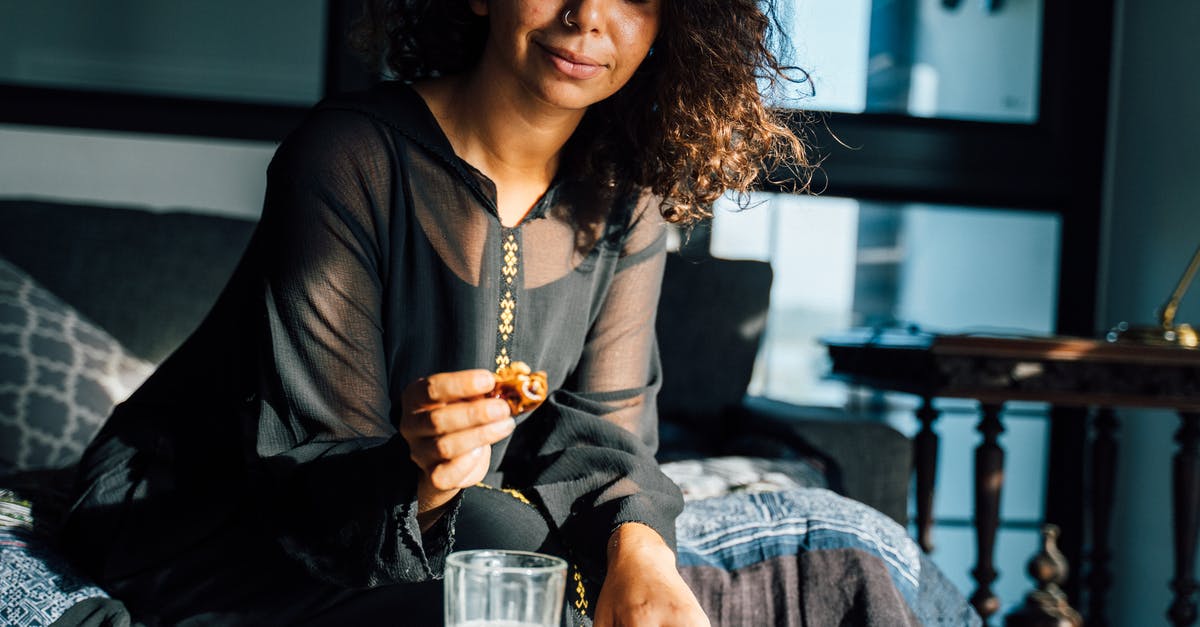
(331, 475)
(595, 467)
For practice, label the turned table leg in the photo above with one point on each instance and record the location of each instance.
(925, 450)
(989, 478)
(1185, 482)
(1104, 462)
(1047, 605)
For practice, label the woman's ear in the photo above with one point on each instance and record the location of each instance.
(479, 7)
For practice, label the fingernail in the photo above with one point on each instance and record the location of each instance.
(507, 426)
(497, 409)
(485, 381)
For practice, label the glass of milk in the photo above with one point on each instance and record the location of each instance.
(496, 588)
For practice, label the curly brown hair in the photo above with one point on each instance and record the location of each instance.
(690, 125)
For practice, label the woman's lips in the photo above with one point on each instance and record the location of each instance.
(573, 65)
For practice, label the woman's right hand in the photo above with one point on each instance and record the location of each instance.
(450, 425)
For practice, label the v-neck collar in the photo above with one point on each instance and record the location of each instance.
(399, 106)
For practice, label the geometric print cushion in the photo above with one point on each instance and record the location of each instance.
(60, 376)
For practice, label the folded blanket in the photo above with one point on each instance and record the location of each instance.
(810, 557)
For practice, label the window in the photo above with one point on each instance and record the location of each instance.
(840, 262)
(917, 57)
(951, 125)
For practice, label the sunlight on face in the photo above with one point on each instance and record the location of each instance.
(568, 54)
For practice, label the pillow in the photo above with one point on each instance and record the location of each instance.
(707, 362)
(60, 376)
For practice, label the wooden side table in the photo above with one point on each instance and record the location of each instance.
(1060, 371)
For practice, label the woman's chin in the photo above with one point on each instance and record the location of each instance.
(570, 95)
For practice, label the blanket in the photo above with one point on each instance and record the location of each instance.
(810, 557)
(796, 556)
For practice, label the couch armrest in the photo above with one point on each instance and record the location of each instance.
(867, 461)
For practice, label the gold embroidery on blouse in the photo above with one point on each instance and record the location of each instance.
(513, 492)
(508, 302)
(510, 258)
(507, 306)
(581, 603)
(516, 494)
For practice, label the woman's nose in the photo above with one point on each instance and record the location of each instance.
(586, 15)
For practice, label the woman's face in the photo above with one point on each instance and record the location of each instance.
(570, 60)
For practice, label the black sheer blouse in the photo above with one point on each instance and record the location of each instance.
(379, 259)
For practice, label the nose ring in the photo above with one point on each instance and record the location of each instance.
(566, 19)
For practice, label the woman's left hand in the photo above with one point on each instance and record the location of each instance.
(643, 587)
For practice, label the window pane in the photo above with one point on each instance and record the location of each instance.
(840, 263)
(266, 51)
(917, 57)
(811, 245)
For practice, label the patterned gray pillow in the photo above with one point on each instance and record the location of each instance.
(60, 376)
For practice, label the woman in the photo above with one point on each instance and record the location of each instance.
(325, 438)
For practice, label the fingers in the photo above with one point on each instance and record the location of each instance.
(430, 451)
(449, 387)
(448, 419)
(463, 471)
(450, 427)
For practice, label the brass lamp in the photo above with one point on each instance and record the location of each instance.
(1166, 332)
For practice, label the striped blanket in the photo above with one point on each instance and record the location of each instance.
(800, 556)
(810, 557)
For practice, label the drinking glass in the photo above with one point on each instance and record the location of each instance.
(496, 588)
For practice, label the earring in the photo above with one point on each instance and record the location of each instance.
(566, 19)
